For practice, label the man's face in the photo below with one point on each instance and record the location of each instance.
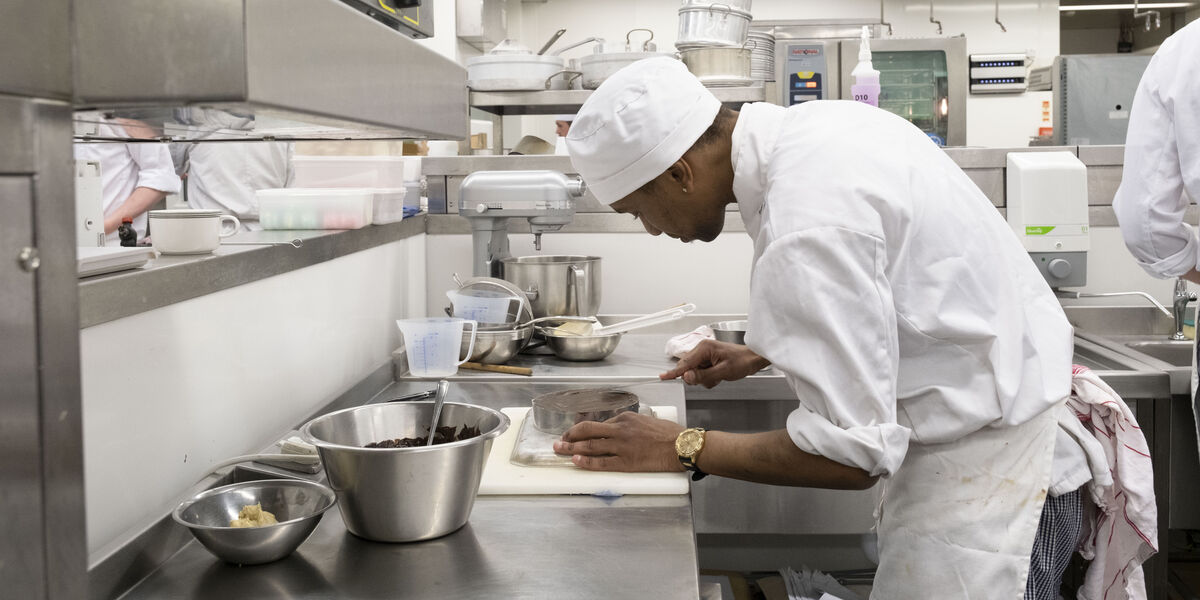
(698, 214)
(561, 128)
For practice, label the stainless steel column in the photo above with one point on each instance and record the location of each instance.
(43, 550)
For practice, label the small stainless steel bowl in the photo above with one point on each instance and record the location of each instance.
(495, 346)
(297, 504)
(403, 494)
(580, 347)
(733, 332)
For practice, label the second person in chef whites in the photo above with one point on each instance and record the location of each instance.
(921, 342)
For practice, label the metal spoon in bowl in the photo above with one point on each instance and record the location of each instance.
(442, 387)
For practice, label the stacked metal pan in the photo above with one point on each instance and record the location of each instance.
(762, 55)
(712, 41)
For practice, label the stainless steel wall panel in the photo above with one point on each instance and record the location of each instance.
(1102, 184)
(723, 505)
(36, 48)
(145, 51)
(317, 61)
(17, 132)
(295, 59)
(22, 554)
(58, 354)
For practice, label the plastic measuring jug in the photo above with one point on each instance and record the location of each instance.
(432, 345)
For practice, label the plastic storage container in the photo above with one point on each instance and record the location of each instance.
(388, 205)
(315, 208)
(349, 171)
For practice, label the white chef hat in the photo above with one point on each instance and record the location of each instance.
(637, 124)
(567, 118)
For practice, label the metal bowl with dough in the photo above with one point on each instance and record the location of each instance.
(296, 504)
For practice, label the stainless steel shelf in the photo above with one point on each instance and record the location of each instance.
(305, 69)
(551, 102)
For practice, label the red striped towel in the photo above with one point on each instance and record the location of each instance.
(1120, 528)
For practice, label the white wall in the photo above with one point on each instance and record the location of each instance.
(168, 392)
(640, 273)
(994, 121)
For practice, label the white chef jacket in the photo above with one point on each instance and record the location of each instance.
(125, 167)
(1162, 159)
(225, 175)
(890, 292)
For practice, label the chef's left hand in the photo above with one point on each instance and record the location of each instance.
(628, 442)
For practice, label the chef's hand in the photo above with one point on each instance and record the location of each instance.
(712, 362)
(628, 442)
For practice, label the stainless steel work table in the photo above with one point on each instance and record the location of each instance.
(512, 547)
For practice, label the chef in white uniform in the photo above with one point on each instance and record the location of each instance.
(921, 342)
(133, 177)
(1162, 161)
(1162, 166)
(225, 175)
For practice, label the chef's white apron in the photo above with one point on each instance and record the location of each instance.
(958, 520)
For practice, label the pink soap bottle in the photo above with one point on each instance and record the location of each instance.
(866, 79)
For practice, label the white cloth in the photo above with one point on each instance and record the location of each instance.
(125, 167)
(1162, 159)
(959, 519)
(636, 124)
(1122, 531)
(683, 343)
(907, 307)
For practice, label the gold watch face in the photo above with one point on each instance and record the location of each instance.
(689, 442)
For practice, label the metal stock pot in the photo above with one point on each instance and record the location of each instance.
(605, 61)
(557, 285)
(716, 24)
(719, 66)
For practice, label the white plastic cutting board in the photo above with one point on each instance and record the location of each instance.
(502, 477)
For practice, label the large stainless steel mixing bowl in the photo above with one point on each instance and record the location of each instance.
(403, 494)
(557, 285)
(297, 505)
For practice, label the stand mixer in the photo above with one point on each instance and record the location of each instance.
(488, 199)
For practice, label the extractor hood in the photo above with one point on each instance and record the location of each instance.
(298, 69)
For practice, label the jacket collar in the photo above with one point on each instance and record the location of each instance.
(753, 140)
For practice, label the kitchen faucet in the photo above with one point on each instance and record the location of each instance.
(1179, 302)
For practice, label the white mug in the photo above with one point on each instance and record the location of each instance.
(190, 230)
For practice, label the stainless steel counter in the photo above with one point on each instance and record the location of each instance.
(512, 547)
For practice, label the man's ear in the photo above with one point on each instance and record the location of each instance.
(681, 174)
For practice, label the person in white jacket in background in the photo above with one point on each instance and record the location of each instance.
(1161, 176)
(1162, 161)
(133, 177)
(224, 175)
(924, 347)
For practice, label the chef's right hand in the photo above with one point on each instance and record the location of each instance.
(712, 362)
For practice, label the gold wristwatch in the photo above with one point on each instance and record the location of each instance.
(688, 445)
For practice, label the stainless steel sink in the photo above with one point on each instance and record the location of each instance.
(1172, 352)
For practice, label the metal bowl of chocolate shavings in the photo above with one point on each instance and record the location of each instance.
(399, 489)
